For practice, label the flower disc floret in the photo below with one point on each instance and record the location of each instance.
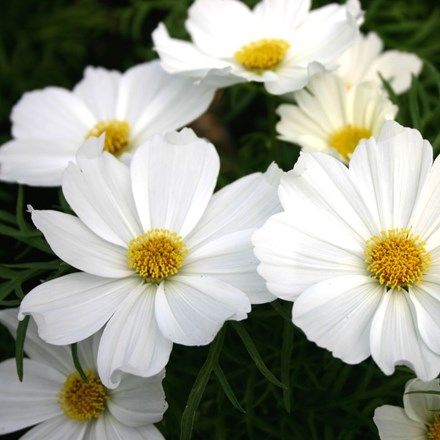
(117, 135)
(345, 140)
(433, 432)
(83, 401)
(265, 54)
(397, 258)
(157, 254)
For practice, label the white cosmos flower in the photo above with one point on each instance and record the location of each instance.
(331, 118)
(365, 60)
(419, 419)
(280, 42)
(50, 125)
(53, 396)
(162, 259)
(358, 250)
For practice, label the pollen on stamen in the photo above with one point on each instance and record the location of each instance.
(265, 54)
(397, 258)
(157, 254)
(117, 135)
(83, 401)
(345, 140)
(433, 432)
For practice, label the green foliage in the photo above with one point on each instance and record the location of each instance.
(260, 379)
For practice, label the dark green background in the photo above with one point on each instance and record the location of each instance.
(46, 42)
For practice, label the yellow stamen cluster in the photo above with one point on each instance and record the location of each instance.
(117, 135)
(397, 258)
(345, 140)
(433, 432)
(157, 254)
(265, 54)
(83, 401)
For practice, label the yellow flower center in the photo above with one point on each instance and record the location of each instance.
(157, 254)
(82, 401)
(433, 432)
(265, 54)
(346, 139)
(397, 258)
(117, 135)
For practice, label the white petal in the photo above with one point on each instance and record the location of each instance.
(173, 179)
(420, 407)
(132, 341)
(191, 310)
(138, 401)
(178, 56)
(319, 181)
(394, 424)
(244, 204)
(73, 307)
(99, 191)
(337, 31)
(395, 339)
(398, 68)
(426, 302)
(279, 18)
(99, 91)
(156, 102)
(35, 162)
(59, 358)
(57, 428)
(337, 315)
(388, 182)
(32, 401)
(74, 243)
(109, 428)
(355, 62)
(51, 114)
(230, 258)
(425, 218)
(208, 20)
(299, 249)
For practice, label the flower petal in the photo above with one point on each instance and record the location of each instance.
(230, 258)
(178, 56)
(132, 342)
(138, 401)
(32, 401)
(155, 102)
(395, 339)
(191, 310)
(57, 357)
(426, 302)
(279, 18)
(173, 179)
(244, 204)
(300, 249)
(58, 428)
(394, 424)
(109, 428)
(99, 91)
(35, 162)
(51, 114)
(420, 406)
(208, 20)
(99, 191)
(337, 315)
(73, 307)
(74, 243)
(387, 181)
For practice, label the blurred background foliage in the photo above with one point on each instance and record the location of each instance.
(260, 379)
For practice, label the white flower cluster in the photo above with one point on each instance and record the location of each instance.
(351, 235)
